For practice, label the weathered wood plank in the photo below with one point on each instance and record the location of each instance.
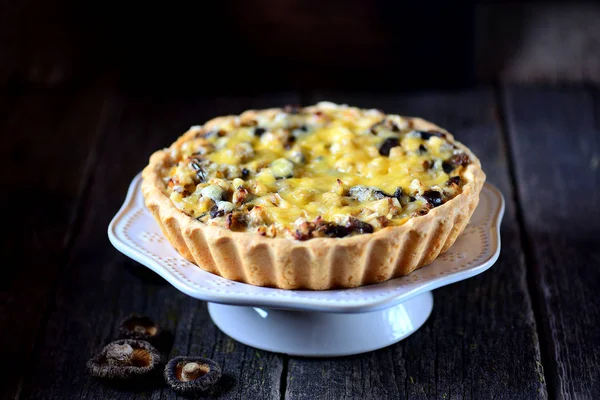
(555, 137)
(47, 142)
(480, 341)
(100, 285)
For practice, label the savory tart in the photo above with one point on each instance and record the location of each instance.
(318, 197)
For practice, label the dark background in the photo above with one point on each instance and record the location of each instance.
(89, 89)
(242, 46)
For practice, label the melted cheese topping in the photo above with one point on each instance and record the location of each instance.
(325, 170)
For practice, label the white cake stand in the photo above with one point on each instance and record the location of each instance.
(313, 323)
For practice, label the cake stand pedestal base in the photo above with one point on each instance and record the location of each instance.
(321, 334)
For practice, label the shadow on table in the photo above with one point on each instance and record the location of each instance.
(145, 385)
(156, 382)
(141, 272)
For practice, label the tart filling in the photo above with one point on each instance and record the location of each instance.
(322, 171)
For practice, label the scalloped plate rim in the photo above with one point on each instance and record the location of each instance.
(325, 304)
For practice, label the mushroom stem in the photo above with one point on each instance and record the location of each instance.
(119, 354)
(191, 371)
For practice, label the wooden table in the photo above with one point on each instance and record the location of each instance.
(528, 328)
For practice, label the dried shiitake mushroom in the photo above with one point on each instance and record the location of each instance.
(123, 360)
(192, 375)
(139, 327)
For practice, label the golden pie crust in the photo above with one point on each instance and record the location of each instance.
(318, 263)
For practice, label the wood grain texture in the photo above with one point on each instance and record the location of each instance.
(480, 341)
(46, 180)
(100, 286)
(535, 42)
(555, 136)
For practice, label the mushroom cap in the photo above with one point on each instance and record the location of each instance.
(140, 327)
(124, 359)
(192, 375)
